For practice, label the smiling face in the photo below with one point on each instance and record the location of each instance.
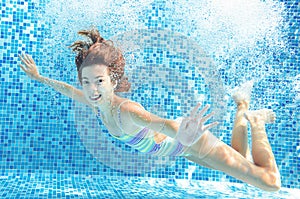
(97, 86)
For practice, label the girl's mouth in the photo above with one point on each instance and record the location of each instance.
(95, 98)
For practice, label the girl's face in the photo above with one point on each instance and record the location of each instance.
(97, 85)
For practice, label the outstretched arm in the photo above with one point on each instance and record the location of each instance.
(188, 132)
(31, 70)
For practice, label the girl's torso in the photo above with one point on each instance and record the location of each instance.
(119, 126)
(140, 138)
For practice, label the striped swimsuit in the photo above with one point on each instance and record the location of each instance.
(144, 142)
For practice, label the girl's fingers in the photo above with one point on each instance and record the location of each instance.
(24, 56)
(210, 126)
(22, 59)
(203, 111)
(29, 58)
(194, 111)
(204, 119)
(23, 68)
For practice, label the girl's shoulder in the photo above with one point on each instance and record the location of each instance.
(126, 113)
(127, 105)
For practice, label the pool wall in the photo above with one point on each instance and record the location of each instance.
(39, 130)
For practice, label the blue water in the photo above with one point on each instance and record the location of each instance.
(177, 54)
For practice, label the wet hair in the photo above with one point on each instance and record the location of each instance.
(97, 50)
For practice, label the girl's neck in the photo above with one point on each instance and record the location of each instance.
(108, 106)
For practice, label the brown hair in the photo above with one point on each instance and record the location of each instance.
(100, 51)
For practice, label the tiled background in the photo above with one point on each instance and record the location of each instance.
(166, 47)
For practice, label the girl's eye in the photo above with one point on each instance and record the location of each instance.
(85, 82)
(99, 81)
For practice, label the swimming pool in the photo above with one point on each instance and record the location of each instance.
(177, 54)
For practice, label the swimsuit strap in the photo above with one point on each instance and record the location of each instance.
(119, 113)
(119, 122)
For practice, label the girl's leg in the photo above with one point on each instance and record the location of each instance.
(199, 161)
(263, 173)
(216, 154)
(261, 150)
(209, 151)
(239, 138)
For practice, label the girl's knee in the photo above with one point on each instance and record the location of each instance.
(205, 144)
(271, 180)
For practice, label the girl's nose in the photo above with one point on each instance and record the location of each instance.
(93, 87)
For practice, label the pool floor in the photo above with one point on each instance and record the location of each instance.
(77, 186)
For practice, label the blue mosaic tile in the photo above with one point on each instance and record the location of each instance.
(78, 186)
(178, 53)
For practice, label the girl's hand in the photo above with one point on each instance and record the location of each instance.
(30, 68)
(193, 127)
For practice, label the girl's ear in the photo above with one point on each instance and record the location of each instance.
(115, 84)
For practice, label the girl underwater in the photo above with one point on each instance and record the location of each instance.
(100, 67)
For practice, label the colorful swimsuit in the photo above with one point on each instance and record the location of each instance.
(144, 142)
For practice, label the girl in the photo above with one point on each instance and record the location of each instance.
(100, 68)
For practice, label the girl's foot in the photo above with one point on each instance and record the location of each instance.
(265, 115)
(242, 94)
